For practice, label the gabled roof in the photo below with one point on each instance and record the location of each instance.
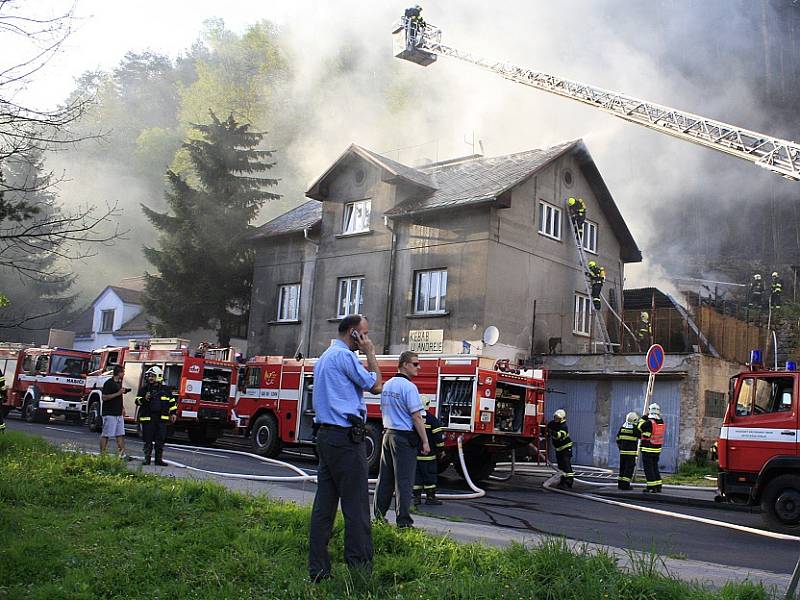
(302, 217)
(127, 295)
(137, 324)
(394, 169)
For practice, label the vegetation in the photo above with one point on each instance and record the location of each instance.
(79, 527)
(694, 472)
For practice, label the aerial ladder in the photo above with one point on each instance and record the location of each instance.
(421, 43)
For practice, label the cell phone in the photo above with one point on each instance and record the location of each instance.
(355, 335)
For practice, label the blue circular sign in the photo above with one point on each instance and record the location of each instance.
(655, 358)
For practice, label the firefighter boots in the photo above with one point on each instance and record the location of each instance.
(431, 499)
(159, 461)
(147, 456)
(417, 497)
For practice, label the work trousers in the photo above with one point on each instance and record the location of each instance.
(396, 476)
(627, 464)
(596, 289)
(341, 475)
(564, 460)
(427, 475)
(650, 465)
(154, 432)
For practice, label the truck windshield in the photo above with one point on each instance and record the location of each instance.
(72, 366)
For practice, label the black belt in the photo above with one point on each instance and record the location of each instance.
(402, 431)
(329, 426)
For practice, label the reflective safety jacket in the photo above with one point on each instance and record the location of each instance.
(627, 438)
(652, 434)
(577, 208)
(434, 429)
(156, 402)
(597, 274)
(558, 432)
(2, 386)
(777, 285)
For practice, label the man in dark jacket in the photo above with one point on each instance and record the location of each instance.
(558, 432)
(157, 407)
(3, 392)
(653, 430)
(628, 444)
(427, 464)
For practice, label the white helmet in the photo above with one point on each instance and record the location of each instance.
(560, 414)
(774, 273)
(654, 410)
(644, 315)
(631, 417)
(156, 372)
(757, 276)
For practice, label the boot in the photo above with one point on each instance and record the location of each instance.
(417, 497)
(431, 499)
(148, 453)
(159, 461)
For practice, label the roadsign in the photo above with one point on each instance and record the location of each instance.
(655, 358)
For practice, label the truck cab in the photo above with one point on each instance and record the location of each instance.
(758, 446)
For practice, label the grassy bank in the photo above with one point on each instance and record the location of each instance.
(693, 473)
(82, 527)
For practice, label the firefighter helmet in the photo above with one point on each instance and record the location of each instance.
(155, 372)
(631, 417)
(571, 201)
(757, 276)
(654, 410)
(592, 264)
(560, 415)
(644, 315)
(774, 273)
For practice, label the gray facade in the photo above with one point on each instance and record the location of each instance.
(477, 219)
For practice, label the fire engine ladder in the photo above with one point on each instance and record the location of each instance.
(775, 154)
(600, 325)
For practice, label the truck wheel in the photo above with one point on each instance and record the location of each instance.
(374, 440)
(480, 463)
(33, 415)
(781, 503)
(265, 437)
(93, 418)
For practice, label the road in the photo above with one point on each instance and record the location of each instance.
(521, 504)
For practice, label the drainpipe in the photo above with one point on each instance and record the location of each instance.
(311, 292)
(389, 289)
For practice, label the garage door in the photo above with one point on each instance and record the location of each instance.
(578, 398)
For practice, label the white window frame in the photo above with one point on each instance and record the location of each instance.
(288, 302)
(549, 220)
(349, 296)
(355, 217)
(103, 314)
(582, 321)
(589, 242)
(424, 282)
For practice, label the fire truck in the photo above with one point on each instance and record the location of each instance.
(759, 462)
(204, 382)
(47, 382)
(494, 407)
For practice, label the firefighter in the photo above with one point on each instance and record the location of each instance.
(428, 464)
(628, 444)
(559, 434)
(415, 21)
(597, 276)
(713, 452)
(577, 212)
(645, 330)
(652, 429)
(756, 291)
(3, 392)
(777, 290)
(157, 407)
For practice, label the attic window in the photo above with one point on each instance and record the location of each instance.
(568, 179)
(359, 176)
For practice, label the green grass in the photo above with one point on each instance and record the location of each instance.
(693, 473)
(83, 527)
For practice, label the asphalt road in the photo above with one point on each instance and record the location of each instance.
(521, 504)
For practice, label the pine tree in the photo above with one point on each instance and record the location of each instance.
(204, 261)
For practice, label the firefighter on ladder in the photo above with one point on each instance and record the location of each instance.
(428, 464)
(157, 407)
(756, 291)
(559, 433)
(628, 444)
(597, 276)
(577, 212)
(652, 429)
(777, 290)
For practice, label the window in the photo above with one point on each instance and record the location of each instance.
(106, 321)
(549, 220)
(760, 396)
(289, 302)
(715, 404)
(42, 363)
(589, 237)
(431, 291)
(582, 315)
(356, 216)
(27, 363)
(351, 296)
(94, 363)
(72, 366)
(254, 377)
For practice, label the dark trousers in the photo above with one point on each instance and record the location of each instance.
(396, 476)
(154, 433)
(650, 465)
(564, 460)
(627, 464)
(596, 289)
(427, 475)
(342, 474)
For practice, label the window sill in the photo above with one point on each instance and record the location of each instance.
(294, 322)
(339, 236)
(435, 315)
(581, 334)
(549, 237)
(590, 251)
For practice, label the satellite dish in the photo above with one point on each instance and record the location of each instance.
(491, 335)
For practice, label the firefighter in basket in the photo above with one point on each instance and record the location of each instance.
(157, 408)
(558, 433)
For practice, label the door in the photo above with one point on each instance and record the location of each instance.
(763, 421)
(131, 379)
(579, 399)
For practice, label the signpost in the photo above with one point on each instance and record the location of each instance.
(655, 362)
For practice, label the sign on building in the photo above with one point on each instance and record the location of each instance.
(426, 340)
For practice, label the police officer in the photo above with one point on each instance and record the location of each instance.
(559, 434)
(645, 330)
(3, 393)
(777, 290)
(427, 464)
(628, 444)
(756, 290)
(157, 407)
(577, 212)
(652, 429)
(597, 276)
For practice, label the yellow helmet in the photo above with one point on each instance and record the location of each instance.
(592, 264)
(571, 201)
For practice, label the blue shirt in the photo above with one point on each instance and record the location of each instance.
(399, 399)
(339, 383)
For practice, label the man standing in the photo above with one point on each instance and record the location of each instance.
(777, 290)
(111, 410)
(653, 429)
(401, 409)
(339, 383)
(628, 444)
(645, 331)
(756, 291)
(157, 407)
(562, 443)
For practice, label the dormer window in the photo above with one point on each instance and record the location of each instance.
(107, 321)
(356, 216)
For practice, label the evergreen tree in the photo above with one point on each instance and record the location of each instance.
(204, 261)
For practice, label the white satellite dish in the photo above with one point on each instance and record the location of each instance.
(490, 335)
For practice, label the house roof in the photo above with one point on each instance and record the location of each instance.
(137, 324)
(82, 325)
(644, 298)
(302, 217)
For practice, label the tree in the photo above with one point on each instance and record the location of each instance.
(204, 262)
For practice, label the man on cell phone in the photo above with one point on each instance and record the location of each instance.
(111, 409)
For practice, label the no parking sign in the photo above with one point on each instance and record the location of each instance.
(655, 358)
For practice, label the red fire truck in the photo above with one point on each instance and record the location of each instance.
(496, 409)
(47, 382)
(759, 461)
(204, 381)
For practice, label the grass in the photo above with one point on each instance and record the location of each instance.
(75, 526)
(693, 473)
